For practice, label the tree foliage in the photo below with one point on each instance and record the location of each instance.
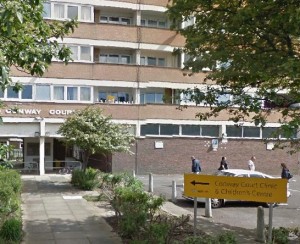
(27, 41)
(93, 132)
(252, 51)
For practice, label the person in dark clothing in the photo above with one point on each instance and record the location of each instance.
(285, 174)
(196, 168)
(223, 164)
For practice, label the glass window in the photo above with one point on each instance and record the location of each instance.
(149, 129)
(113, 59)
(47, 10)
(123, 97)
(125, 21)
(269, 132)
(102, 96)
(86, 13)
(103, 58)
(210, 130)
(59, 11)
(223, 98)
(58, 92)
(85, 53)
(125, 59)
(42, 92)
(152, 23)
(74, 50)
(191, 130)
(162, 24)
(233, 131)
(159, 98)
(169, 129)
(151, 61)
(85, 94)
(150, 98)
(103, 19)
(114, 19)
(143, 22)
(161, 62)
(72, 12)
(33, 149)
(26, 92)
(11, 93)
(71, 93)
(251, 131)
(143, 61)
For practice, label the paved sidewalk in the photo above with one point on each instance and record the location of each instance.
(55, 213)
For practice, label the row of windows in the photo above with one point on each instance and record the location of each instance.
(209, 131)
(147, 22)
(67, 11)
(47, 92)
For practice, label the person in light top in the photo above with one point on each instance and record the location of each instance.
(251, 165)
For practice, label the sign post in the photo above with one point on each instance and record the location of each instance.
(237, 188)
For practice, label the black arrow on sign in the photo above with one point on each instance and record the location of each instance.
(199, 183)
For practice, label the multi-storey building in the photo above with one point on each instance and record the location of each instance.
(125, 64)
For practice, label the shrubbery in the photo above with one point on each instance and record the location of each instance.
(10, 206)
(86, 180)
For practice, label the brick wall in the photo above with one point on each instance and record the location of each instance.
(176, 154)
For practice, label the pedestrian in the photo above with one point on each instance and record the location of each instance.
(285, 174)
(251, 165)
(196, 168)
(223, 164)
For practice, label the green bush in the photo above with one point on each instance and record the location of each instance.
(11, 230)
(11, 178)
(280, 235)
(224, 238)
(86, 180)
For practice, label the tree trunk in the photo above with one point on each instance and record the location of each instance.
(85, 159)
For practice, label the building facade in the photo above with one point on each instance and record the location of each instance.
(124, 62)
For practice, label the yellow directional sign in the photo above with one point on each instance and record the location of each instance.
(238, 188)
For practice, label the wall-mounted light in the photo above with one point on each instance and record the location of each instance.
(36, 134)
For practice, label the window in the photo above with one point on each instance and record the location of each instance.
(72, 93)
(151, 61)
(72, 12)
(58, 92)
(85, 94)
(115, 20)
(33, 149)
(113, 59)
(85, 53)
(86, 13)
(233, 131)
(59, 11)
(26, 92)
(161, 62)
(125, 59)
(154, 23)
(42, 92)
(150, 129)
(102, 96)
(210, 130)
(11, 93)
(47, 10)
(251, 131)
(169, 129)
(269, 132)
(151, 98)
(74, 50)
(190, 130)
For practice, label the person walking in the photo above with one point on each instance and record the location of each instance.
(251, 165)
(285, 174)
(196, 168)
(223, 164)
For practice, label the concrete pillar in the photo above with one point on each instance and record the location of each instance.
(150, 183)
(174, 191)
(208, 212)
(260, 229)
(42, 155)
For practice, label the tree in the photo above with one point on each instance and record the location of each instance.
(252, 51)
(94, 133)
(27, 41)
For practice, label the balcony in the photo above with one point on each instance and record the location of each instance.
(119, 111)
(127, 33)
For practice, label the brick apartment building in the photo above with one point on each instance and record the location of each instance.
(124, 63)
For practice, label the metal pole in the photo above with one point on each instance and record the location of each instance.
(195, 215)
(270, 223)
(208, 212)
(150, 182)
(174, 191)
